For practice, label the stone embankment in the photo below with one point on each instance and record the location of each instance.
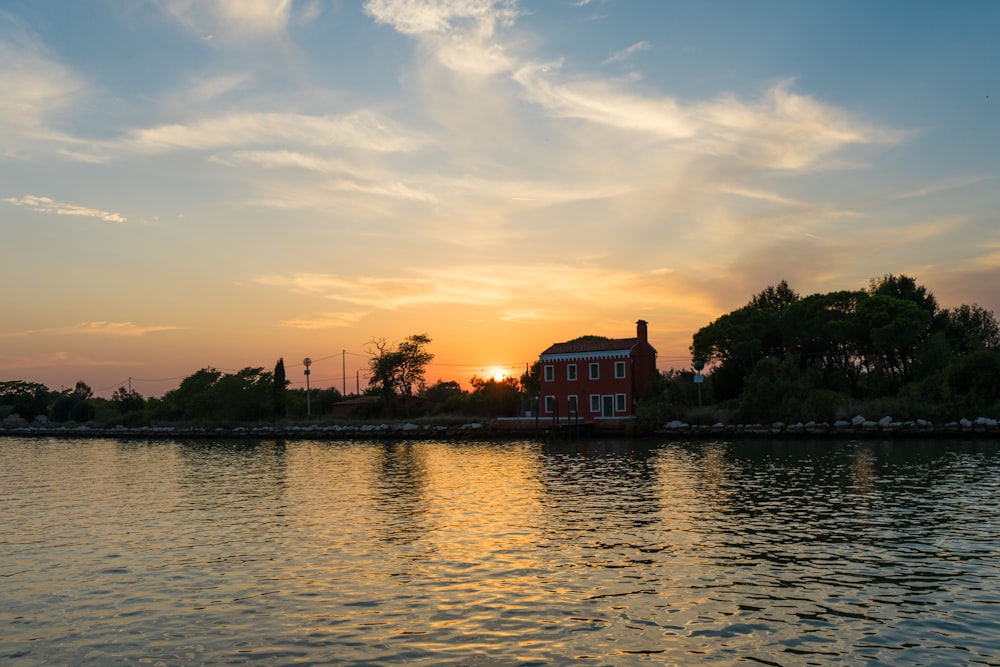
(313, 431)
(858, 427)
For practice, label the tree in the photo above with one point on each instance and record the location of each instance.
(735, 342)
(971, 328)
(278, 397)
(25, 399)
(493, 398)
(394, 371)
(127, 400)
(413, 360)
(531, 380)
(82, 390)
(74, 404)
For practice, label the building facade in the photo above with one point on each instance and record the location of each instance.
(589, 379)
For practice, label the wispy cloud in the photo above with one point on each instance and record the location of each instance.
(627, 53)
(47, 205)
(944, 186)
(57, 359)
(115, 329)
(365, 130)
(35, 90)
(328, 320)
(518, 290)
(780, 129)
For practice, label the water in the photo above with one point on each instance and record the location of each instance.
(607, 553)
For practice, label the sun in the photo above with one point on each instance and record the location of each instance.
(498, 374)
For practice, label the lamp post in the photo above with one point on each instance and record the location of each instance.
(307, 362)
(699, 365)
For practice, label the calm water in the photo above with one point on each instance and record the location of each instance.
(610, 553)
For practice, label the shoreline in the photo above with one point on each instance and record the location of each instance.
(857, 428)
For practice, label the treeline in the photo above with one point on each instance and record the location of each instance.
(210, 396)
(889, 349)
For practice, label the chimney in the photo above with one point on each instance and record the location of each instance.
(640, 331)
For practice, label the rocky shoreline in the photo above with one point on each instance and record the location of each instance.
(858, 427)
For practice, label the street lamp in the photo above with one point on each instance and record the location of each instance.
(307, 362)
(699, 379)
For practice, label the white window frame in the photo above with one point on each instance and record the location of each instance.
(594, 372)
(549, 373)
(621, 405)
(619, 370)
(549, 404)
(571, 374)
(572, 405)
(595, 403)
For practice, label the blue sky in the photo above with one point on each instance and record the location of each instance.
(221, 183)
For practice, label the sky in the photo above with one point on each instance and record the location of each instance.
(222, 183)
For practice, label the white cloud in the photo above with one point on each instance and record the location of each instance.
(627, 53)
(781, 129)
(460, 33)
(47, 205)
(416, 17)
(233, 19)
(365, 130)
(35, 90)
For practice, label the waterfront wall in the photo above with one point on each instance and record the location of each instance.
(858, 427)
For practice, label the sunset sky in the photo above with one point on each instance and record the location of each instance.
(192, 183)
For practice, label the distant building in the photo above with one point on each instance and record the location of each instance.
(592, 378)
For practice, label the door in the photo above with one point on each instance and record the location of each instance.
(607, 406)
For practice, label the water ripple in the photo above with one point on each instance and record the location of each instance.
(606, 553)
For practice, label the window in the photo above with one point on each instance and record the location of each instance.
(550, 404)
(550, 373)
(571, 371)
(619, 402)
(571, 406)
(595, 371)
(619, 369)
(595, 402)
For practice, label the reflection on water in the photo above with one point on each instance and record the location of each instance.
(607, 552)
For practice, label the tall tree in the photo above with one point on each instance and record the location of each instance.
(737, 341)
(278, 401)
(394, 371)
(413, 360)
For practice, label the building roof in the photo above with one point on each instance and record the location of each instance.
(591, 345)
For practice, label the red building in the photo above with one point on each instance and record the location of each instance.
(596, 378)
